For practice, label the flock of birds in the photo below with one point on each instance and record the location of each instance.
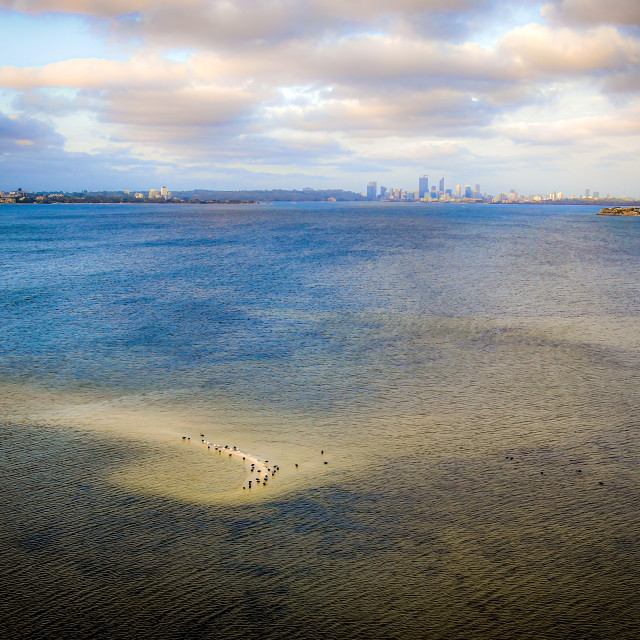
(260, 470)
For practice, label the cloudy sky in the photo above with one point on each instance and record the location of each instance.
(231, 94)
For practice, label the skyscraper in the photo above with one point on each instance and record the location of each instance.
(458, 191)
(467, 190)
(441, 186)
(423, 187)
(372, 190)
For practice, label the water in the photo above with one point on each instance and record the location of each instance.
(471, 373)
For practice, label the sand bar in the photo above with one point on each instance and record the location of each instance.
(262, 469)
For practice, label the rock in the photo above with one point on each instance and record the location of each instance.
(619, 211)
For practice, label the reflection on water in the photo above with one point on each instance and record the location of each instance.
(470, 374)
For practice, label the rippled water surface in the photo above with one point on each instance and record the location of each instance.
(470, 372)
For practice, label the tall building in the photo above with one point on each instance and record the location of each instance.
(153, 193)
(383, 191)
(458, 191)
(441, 185)
(476, 191)
(467, 190)
(423, 187)
(372, 190)
(164, 192)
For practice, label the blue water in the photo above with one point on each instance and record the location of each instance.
(473, 370)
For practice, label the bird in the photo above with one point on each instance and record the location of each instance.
(296, 465)
(326, 462)
(322, 452)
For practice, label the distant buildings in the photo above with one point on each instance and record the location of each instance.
(466, 193)
(12, 196)
(423, 187)
(163, 194)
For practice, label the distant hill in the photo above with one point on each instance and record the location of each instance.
(272, 195)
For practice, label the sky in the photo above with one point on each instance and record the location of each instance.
(256, 94)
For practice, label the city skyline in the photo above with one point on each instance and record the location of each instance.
(428, 192)
(287, 94)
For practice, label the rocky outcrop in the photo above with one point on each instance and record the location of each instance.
(619, 211)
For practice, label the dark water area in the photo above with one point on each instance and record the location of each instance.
(471, 373)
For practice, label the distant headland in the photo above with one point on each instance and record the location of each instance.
(619, 211)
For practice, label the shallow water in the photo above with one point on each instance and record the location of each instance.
(471, 373)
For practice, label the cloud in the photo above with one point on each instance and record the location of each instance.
(20, 131)
(590, 131)
(545, 51)
(593, 12)
(260, 24)
(92, 73)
